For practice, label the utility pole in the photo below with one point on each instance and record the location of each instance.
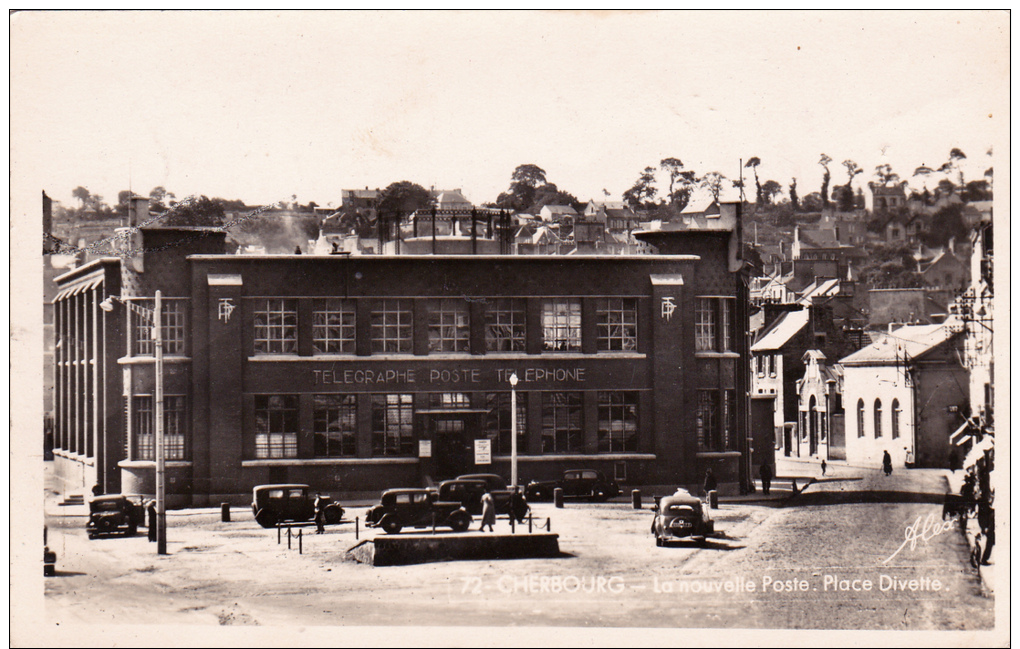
(513, 431)
(157, 337)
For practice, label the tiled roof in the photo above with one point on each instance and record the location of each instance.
(902, 344)
(786, 327)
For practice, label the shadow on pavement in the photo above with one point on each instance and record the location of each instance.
(822, 498)
(68, 573)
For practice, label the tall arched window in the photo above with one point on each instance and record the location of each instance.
(895, 418)
(860, 417)
(878, 418)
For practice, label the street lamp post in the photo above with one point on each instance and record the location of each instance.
(513, 430)
(155, 317)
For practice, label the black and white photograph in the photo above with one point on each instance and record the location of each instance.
(485, 328)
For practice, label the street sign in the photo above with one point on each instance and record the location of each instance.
(425, 448)
(483, 451)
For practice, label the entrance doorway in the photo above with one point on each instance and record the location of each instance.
(454, 447)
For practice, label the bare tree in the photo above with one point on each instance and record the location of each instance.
(752, 164)
(826, 177)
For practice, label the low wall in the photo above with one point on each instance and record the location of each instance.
(406, 549)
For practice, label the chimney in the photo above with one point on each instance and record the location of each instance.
(138, 211)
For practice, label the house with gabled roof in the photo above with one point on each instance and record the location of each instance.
(906, 393)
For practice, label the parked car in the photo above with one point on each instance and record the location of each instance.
(400, 508)
(468, 489)
(281, 503)
(115, 513)
(578, 483)
(681, 516)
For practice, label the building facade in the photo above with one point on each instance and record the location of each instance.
(356, 374)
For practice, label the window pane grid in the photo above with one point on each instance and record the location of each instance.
(704, 325)
(505, 326)
(562, 422)
(276, 426)
(174, 427)
(391, 327)
(617, 324)
(449, 328)
(561, 325)
(708, 420)
(335, 425)
(878, 418)
(392, 427)
(174, 316)
(617, 428)
(333, 326)
(497, 421)
(276, 326)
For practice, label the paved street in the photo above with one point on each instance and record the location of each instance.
(828, 559)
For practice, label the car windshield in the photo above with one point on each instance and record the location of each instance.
(679, 509)
(106, 505)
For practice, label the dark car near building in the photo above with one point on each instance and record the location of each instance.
(468, 489)
(114, 514)
(578, 483)
(283, 503)
(419, 508)
(681, 516)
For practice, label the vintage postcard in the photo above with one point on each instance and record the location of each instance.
(485, 328)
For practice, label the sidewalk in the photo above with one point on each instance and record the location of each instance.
(975, 540)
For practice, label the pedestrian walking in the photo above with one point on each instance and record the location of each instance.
(320, 514)
(824, 465)
(887, 462)
(766, 477)
(488, 512)
(518, 505)
(710, 482)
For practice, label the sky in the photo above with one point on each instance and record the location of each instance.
(263, 106)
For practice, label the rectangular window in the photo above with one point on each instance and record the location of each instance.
(617, 324)
(497, 421)
(174, 427)
(276, 426)
(708, 420)
(391, 327)
(174, 318)
(333, 326)
(729, 420)
(714, 324)
(392, 424)
(561, 325)
(618, 422)
(505, 325)
(760, 362)
(772, 365)
(336, 425)
(276, 326)
(562, 422)
(704, 325)
(449, 326)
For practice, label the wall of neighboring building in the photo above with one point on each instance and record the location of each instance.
(941, 403)
(886, 385)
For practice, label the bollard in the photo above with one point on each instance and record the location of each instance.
(713, 499)
(152, 522)
(793, 483)
(225, 512)
(300, 542)
(433, 523)
(558, 497)
(288, 538)
(635, 498)
(356, 521)
(278, 532)
(548, 525)
(529, 522)
(512, 523)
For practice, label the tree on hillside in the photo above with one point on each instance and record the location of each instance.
(846, 198)
(826, 177)
(195, 211)
(643, 190)
(794, 201)
(524, 182)
(886, 176)
(713, 182)
(955, 156)
(550, 194)
(681, 182)
(752, 164)
(811, 202)
(890, 266)
(769, 190)
(400, 199)
(82, 194)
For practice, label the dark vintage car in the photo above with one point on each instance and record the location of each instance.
(681, 516)
(468, 489)
(578, 483)
(115, 514)
(419, 508)
(283, 503)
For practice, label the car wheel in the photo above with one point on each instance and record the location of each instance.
(390, 525)
(600, 495)
(658, 541)
(333, 514)
(92, 536)
(460, 522)
(265, 518)
(132, 529)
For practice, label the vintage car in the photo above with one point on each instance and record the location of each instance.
(115, 513)
(681, 516)
(468, 489)
(419, 508)
(282, 503)
(578, 483)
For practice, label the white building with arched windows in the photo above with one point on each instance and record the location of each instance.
(905, 394)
